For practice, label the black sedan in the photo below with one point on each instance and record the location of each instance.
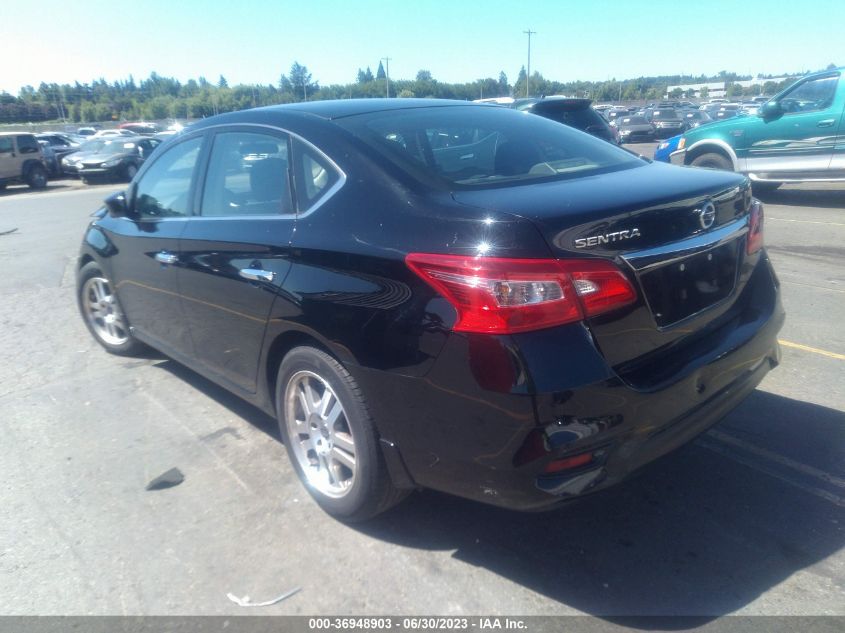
(109, 158)
(634, 129)
(440, 294)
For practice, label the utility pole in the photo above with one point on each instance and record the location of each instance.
(386, 61)
(529, 33)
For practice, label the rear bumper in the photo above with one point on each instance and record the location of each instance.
(494, 412)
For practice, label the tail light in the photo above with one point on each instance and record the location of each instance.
(755, 228)
(504, 296)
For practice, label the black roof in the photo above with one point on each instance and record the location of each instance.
(350, 107)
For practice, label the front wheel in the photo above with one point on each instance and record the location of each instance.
(101, 312)
(330, 437)
(711, 160)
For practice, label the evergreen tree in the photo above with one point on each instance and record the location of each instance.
(222, 83)
(504, 88)
(380, 72)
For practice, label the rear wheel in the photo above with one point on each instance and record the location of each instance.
(102, 313)
(330, 437)
(712, 160)
(130, 170)
(37, 177)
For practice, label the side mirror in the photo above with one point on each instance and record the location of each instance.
(116, 205)
(770, 110)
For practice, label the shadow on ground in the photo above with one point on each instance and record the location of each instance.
(826, 198)
(255, 416)
(695, 534)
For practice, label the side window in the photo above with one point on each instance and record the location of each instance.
(247, 175)
(314, 175)
(810, 96)
(6, 145)
(27, 144)
(164, 190)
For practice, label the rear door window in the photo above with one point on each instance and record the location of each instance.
(248, 174)
(315, 175)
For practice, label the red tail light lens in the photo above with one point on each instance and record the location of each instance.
(503, 296)
(755, 228)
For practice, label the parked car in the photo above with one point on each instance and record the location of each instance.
(457, 319)
(797, 136)
(694, 118)
(141, 128)
(634, 129)
(575, 113)
(110, 158)
(103, 133)
(726, 111)
(21, 161)
(614, 113)
(61, 145)
(51, 160)
(667, 122)
(749, 108)
(86, 131)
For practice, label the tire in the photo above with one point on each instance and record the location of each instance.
(129, 171)
(36, 177)
(764, 187)
(102, 314)
(86, 181)
(330, 437)
(712, 160)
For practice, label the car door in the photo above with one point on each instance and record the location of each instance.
(837, 159)
(234, 253)
(8, 161)
(147, 242)
(801, 139)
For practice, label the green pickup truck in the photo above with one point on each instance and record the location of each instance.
(797, 136)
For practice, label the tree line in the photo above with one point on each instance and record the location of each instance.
(158, 97)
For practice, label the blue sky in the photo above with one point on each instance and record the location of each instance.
(254, 41)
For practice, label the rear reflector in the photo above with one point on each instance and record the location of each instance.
(503, 296)
(568, 463)
(755, 228)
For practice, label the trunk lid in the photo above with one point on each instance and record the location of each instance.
(678, 233)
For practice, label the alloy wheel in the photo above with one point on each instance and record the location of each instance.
(320, 435)
(103, 311)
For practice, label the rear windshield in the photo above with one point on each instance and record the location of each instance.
(665, 115)
(481, 146)
(634, 120)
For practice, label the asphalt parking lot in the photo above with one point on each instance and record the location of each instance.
(748, 519)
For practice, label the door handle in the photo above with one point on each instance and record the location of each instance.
(826, 123)
(256, 274)
(166, 258)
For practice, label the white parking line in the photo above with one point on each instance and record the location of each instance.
(768, 217)
(725, 451)
(780, 459)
